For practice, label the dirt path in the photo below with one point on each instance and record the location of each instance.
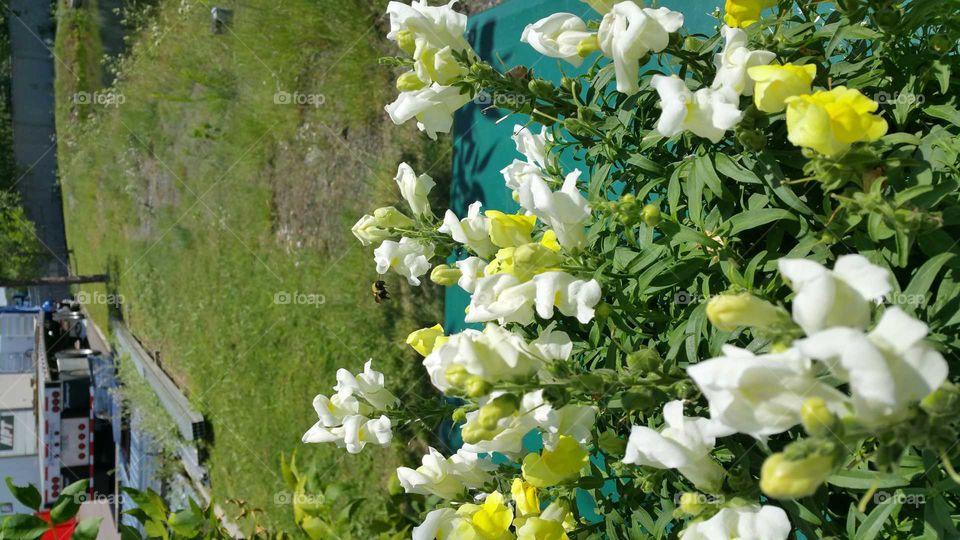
(34, 135)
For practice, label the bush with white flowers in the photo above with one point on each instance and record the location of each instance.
(728, 304)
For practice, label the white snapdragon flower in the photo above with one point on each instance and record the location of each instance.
(359, 431)
(533, 146)
(575, 421)
(472, 231)
(409, 258)
(440, 24)
(333, 410)
(356, 432)
(494, 355)
(733, 62)
(433, 107)
(431, 34)
(683, 444)
(628, 32)
(414, 189)
(760, 395)
(520, 173)
(437, 524)
(369, 385)
(445, 477)
(504, 298)
(841, 297)
(471, 269)
(573, 297)
(558, 36)
(566, 211)
(752, 522)
(706, 113)
(887, 370)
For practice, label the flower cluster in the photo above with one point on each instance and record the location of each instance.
(694, 313)
(344, 419)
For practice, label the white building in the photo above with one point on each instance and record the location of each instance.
(19, 453)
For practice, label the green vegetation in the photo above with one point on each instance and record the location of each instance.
(222, 214)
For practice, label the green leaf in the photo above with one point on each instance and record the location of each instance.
(872, 526)
(859, 479)
(23, 527)
(703, 167)
(944, 112)
(755, 218)
(919, 286)
(186, 522)
(27, 495)
(87, 529)
(941, 70)
(68, 503)
(729, 168)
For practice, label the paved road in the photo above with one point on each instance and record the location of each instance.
(34, 133)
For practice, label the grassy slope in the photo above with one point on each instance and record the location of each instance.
(205, 199)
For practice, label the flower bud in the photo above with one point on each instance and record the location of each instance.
(368, 232)
(406, 41)
(473, 433)
(445, 275)
(409, 82)
(651, 215)
(692, 503)
(459, 414)
(942, 401)
(457, 375)
(576, 127)
(588, 46)
(612, 444)
(425, 340)
(391, 218)
(476, 387)
(941, 43)
(816, 417)
(729, 311)
(500, 407)
(541, 88)
(644, 361)
(783, 478)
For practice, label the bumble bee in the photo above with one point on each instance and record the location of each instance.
(380, 293)
(520, 73)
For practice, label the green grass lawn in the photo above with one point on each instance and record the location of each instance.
(205, 199)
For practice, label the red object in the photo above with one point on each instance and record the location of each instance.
(62, 531)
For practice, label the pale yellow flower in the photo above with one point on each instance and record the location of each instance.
(774, 84)
(743, 13)
(830, 121)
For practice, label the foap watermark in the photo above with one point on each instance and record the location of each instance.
(904, 299)
(285, 498)
(697, 498)
(898, 98)
(899, 497)
(106, 98)
(89, 298)
(488, 99)
(299, 98)
(296, 298)
(686, 298)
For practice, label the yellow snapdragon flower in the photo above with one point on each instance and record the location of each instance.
(510, 230)
(774, 84)
(488, 521)
(425, 340)
(552, 467)
(830, 121)
(743, 13)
